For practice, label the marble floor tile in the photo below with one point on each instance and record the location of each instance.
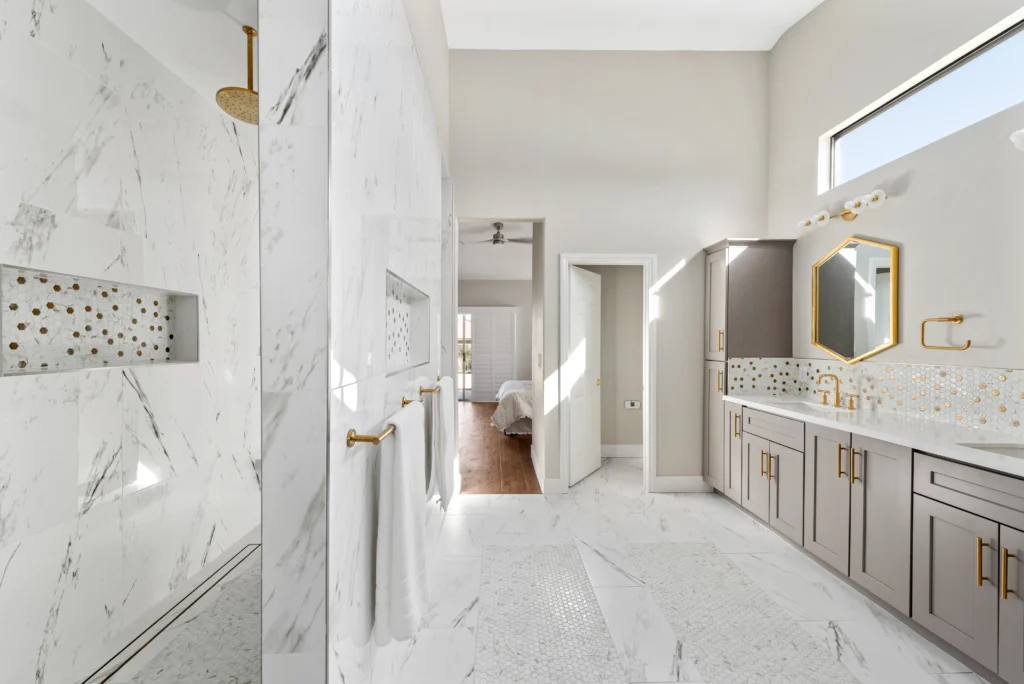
(461, 535)
(438, 656)
(526, 529)
(607, 562)
(647, 646)
(485, 504)
(454, 592)
(962, 678)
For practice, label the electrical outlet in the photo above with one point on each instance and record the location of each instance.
(632, 405)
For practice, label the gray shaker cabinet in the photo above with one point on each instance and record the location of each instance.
(714, 412)
(732, 477)
(786, 476)
(755, 490)
(956, 593)
(1011, 607)
(827, 496)
(881, 477)
(716, 274)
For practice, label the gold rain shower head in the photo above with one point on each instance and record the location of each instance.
(242, 103)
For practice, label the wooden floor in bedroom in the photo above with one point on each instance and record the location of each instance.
(489, 461)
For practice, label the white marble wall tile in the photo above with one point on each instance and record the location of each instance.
(293, 70)
(295, 529)
(64, 587)
(294, 243)
(39, 460)
(100, 432)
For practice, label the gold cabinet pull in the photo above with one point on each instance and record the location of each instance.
(735, 425)
(719, 382)
(981, 576)
(762, 463)
(853, 466)
(721, 334)
(839, 461)
(1004, 580)
(769, 466)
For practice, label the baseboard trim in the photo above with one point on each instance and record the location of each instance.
(680, 484)
(622, 451)
(553, 485)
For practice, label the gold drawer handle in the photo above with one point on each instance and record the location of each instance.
(981, 576)
(762, 463)
(853, 467)
(770, 466)
(721, 334)
(839, 461)
(1004, 580)
(719, 382)
(735, 425)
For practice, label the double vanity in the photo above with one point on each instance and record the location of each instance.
(926, 515)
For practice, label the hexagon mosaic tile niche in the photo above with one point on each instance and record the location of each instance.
(51, 323)
(407, 325)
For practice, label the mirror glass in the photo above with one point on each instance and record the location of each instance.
(855, 299)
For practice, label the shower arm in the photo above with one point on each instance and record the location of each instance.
(250, 32)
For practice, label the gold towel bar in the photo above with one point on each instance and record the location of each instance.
(956, 320)
(372, 439)
(424, 390)
(406, 402)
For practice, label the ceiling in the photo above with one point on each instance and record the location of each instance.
(620, 24)
(199, 40)
(510, 261)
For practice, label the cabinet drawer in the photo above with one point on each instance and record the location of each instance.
(990, 495)
(783, 431)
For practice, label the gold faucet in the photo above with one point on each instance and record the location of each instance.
(824, 399)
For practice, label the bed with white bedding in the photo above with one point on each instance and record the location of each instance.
(514, 415)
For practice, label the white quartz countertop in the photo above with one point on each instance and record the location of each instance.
(931, 437)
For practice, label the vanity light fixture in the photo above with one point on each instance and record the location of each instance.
(851, 210)
(1018, 139)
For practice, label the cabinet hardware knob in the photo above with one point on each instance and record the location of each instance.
(839, 461)
(762, 463)
(853, 466)
(1004, 580)
(721, 346)
(981, 545)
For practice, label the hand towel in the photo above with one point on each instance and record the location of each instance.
(401, 592)
(444, 442)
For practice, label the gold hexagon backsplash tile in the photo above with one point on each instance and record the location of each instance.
(984, 398)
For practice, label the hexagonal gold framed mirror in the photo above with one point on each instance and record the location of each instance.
(855, 300)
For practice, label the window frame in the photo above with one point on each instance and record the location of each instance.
(1001, 32)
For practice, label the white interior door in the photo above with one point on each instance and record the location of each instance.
(583, 369)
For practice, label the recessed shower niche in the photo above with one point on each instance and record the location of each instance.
(407, 325)
(51, 322)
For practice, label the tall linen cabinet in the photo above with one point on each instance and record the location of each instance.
(748, 312)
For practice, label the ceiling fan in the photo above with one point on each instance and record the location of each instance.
(499, 238)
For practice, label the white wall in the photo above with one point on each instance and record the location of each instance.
(955, 211)
(426, 23)
(622, 352)
(119, 485)
(515, 293)
(660, 153)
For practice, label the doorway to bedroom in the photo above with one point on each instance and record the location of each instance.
(494, 352)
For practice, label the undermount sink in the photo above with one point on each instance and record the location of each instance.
(1016, 450)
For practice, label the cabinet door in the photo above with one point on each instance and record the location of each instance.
(1011, 609)
(714, 417)
(732, 484)
(786, 470)
(827, 496)
(882, 478)
(716, 278)
(947, 598)
(756, 451)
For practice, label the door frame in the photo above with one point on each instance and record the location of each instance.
(649, 264)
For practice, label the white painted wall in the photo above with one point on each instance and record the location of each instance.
(659, 153)
(514, 293)
(428, 32)
(622, 352)
(956, 208)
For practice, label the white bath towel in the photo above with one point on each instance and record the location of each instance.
(401, 596)
(444, 446)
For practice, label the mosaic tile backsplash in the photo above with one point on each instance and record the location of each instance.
(984, 398)
(56, 323)
(407, 325)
